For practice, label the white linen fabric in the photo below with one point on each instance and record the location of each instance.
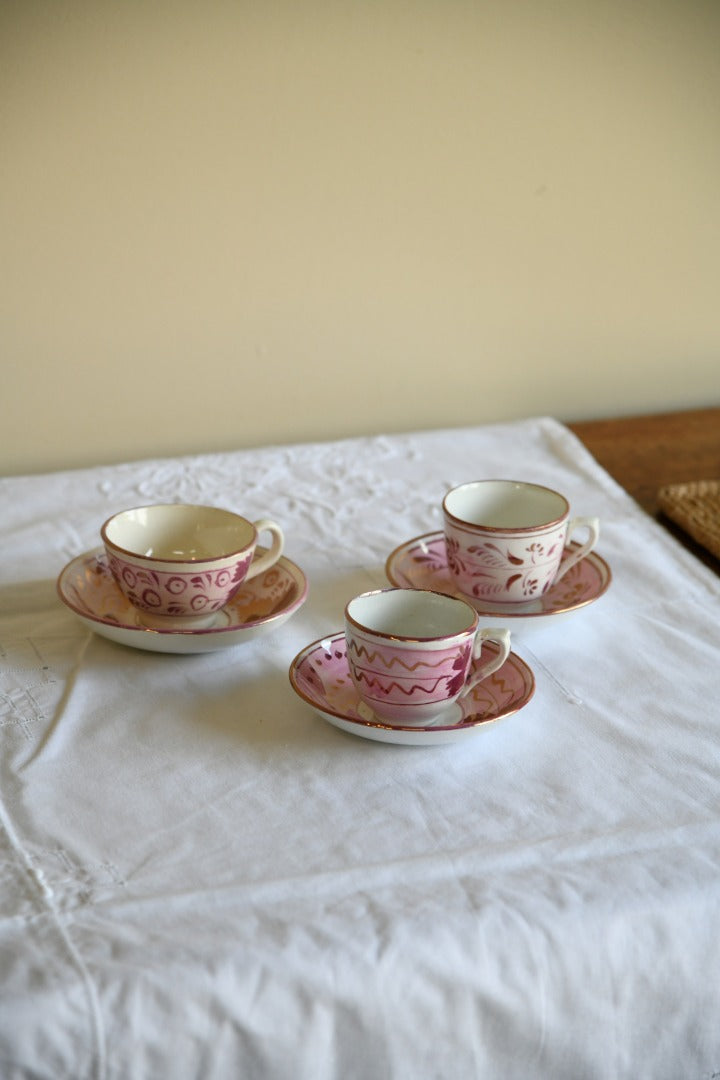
(201, 878)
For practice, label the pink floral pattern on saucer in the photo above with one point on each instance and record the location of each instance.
(87, 586)
(320, 675)
(422, 563)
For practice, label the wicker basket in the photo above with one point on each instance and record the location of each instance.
(695, 507)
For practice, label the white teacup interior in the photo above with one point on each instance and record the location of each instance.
(178, 531)
(408, 613)
(506, 504)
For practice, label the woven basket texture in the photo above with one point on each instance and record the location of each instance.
(695, 507)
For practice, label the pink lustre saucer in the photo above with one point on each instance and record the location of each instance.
(321, 677)
(421, 563)
(88, 588)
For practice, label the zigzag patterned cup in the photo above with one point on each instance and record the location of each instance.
(411, 652)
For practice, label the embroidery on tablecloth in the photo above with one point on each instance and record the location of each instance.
(71, 882)
(30, 690)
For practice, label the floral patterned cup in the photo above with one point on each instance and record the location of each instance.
(179, 564)
(506, 540)
(411, 652)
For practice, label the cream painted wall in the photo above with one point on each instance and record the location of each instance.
(226, 224)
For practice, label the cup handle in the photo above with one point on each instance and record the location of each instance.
(592, 524)
(501, 638)
(270, 557)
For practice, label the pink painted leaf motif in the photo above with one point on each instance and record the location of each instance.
(148, 577)
(428, 559)
(452, 552)
(490, 554)
(511, 580)
(495, 556)
(457, 681)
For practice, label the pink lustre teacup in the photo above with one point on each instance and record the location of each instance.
(179, 564)
(411, 651)
(506, 539)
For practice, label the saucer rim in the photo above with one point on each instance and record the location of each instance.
(96, 553)
(384, 725)
(488, 611)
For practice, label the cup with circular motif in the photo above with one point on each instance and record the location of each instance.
(179, 564)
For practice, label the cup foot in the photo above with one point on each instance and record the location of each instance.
(447, 714)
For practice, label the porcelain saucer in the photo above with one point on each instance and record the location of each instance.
(88, 588)
(319, 674)
(421, 563)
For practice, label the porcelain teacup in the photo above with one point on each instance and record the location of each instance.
(179, 564)
(411, 652)
(506, 540)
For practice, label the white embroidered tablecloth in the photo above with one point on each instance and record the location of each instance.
(202, 878)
